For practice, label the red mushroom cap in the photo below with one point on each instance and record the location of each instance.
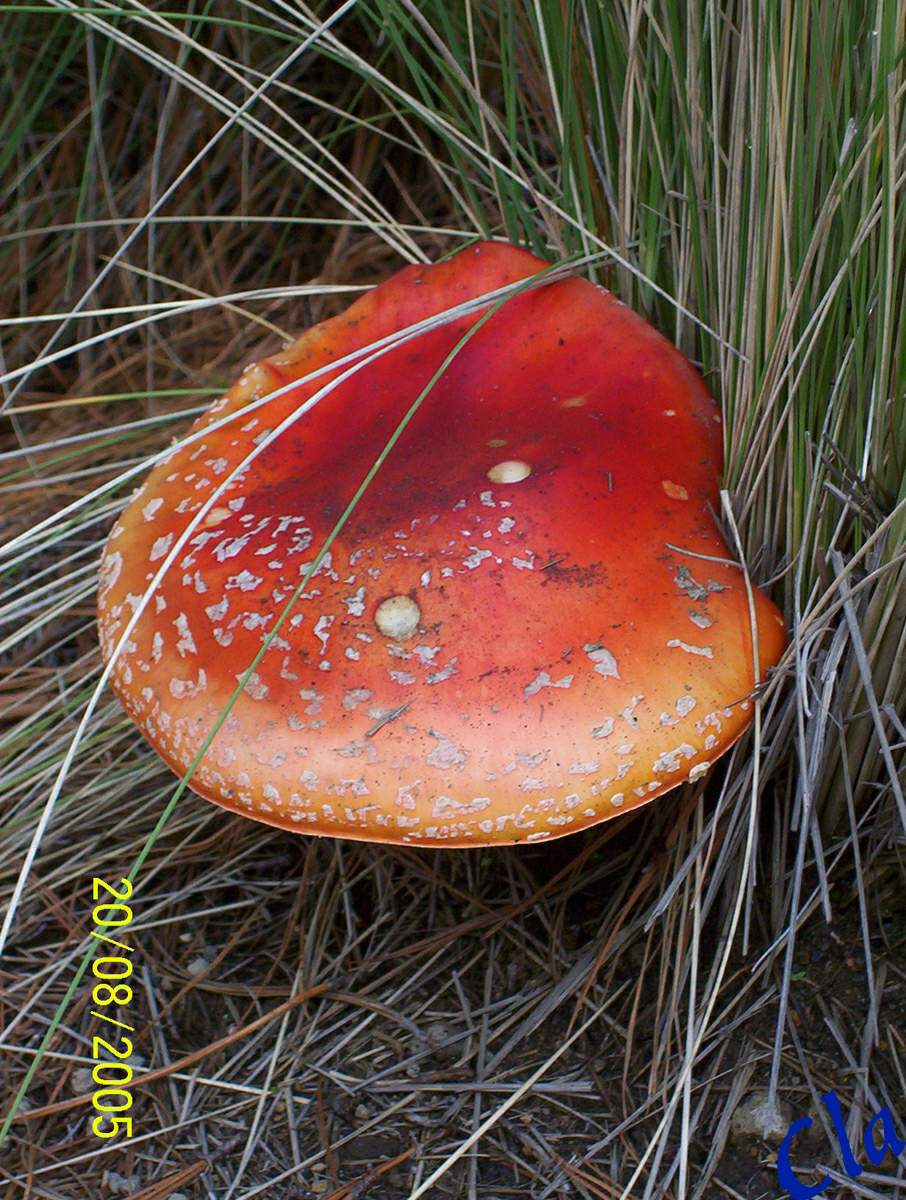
(524, 627)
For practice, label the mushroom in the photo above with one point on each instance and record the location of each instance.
(530, 622)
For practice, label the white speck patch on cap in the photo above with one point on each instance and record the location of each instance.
(675, 491)
(150, 509)
(161, 547)
(543, 680)
(605, 663)
(509, 471)
(216, 516)
(702, 651)
(397, 617)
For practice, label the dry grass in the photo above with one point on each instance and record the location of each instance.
(323, 1018)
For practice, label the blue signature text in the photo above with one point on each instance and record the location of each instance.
(880, 1138)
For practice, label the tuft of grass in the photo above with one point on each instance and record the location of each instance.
(183, 186)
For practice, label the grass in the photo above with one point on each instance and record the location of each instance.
(183, 187)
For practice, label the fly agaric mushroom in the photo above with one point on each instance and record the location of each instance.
(527, 625)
